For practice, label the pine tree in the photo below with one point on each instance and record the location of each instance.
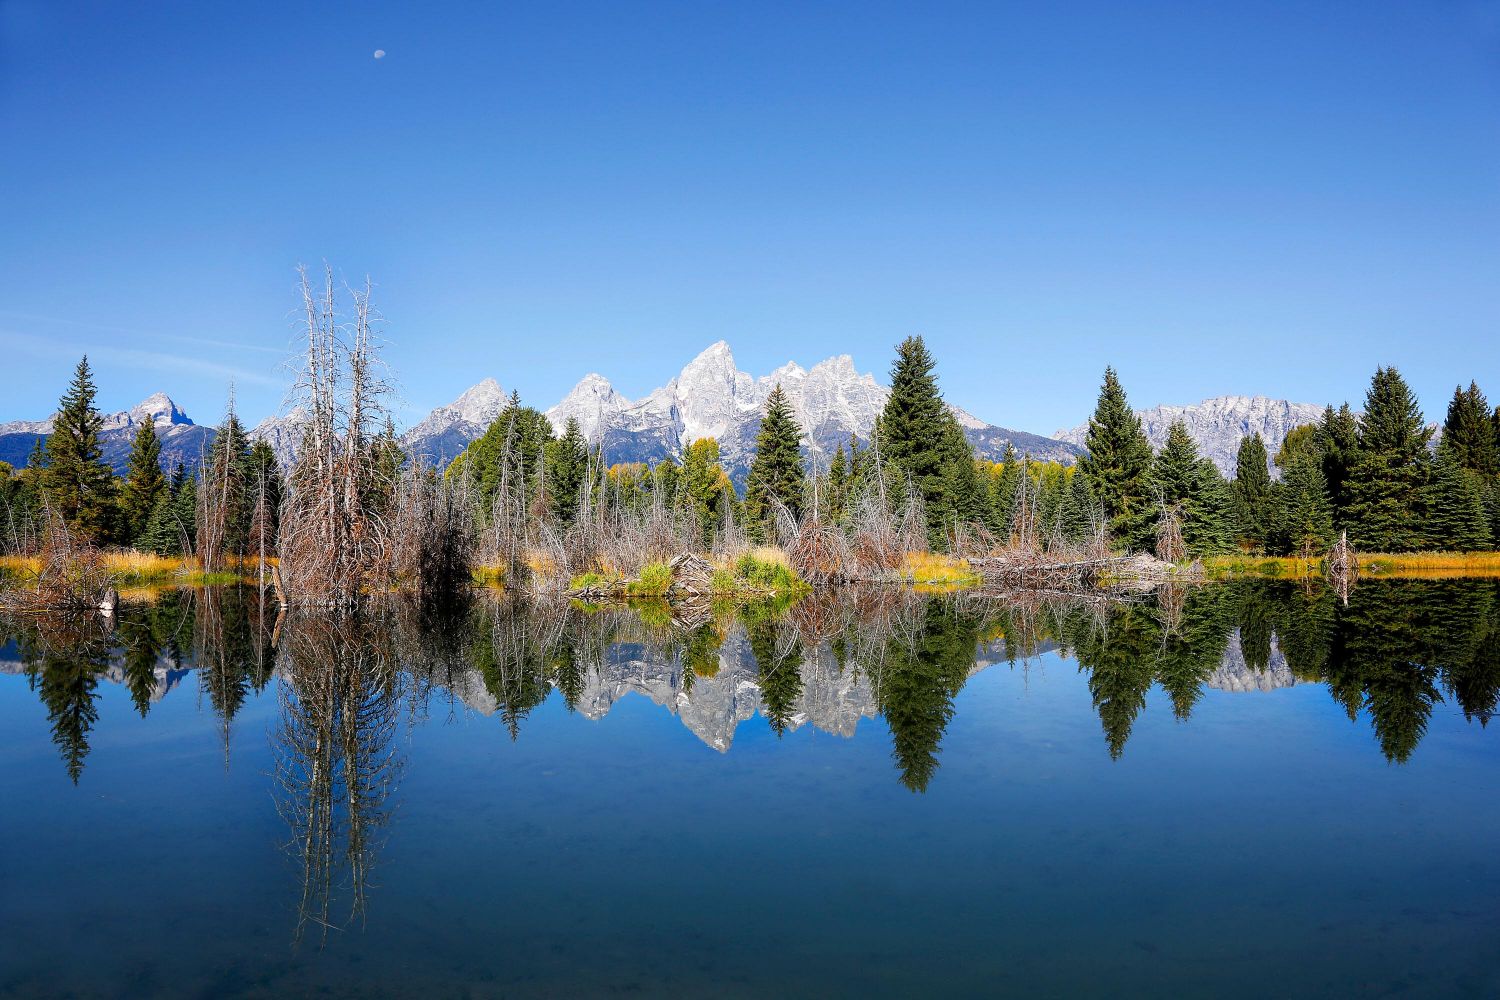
(1386, 483)
(1002, 500)
(1304, 514)
(225, 501)
(1469, 433)
(776, 470)
(1338, 446)
(266, 487)
(912, 434)
(1456, 519)
(77, 483)
(185, 515)
(568, 469)
(1080, 509)
(1193, 487)
(1252, 492)
(145, 483)
(1118, 464)
(962, 500)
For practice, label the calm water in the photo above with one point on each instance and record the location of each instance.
(1232, 791)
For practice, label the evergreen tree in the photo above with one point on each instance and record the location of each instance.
(1195, 488)
(1304, 514)
(1080, 509)
(1338, 443)
(913, 431)
(776, 471)
(77, 483)
(1002, 499)
(963, 499)
(266, 488)
(226, 504)
(1469, 433)
(1252, 492)
(567, 471)
(145, 483)
(1456, 519)
(162, 533)
(510, 452)
(184, 515)
(1118, 464)
(1386, 483)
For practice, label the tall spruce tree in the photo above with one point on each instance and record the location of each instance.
(1338, 447)
(1469, 432)
(1118, 464)
(1304, 514)
(77, 483)
(1456, 518)
(145, 483)
(1194, 487)
(913, 430)
(776, 470)
(567, 471)
(1252, 492)
(1386, 484)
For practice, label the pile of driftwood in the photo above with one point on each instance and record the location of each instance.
(1030, 569)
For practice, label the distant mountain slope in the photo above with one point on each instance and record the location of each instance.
(181, 439)
(711, 397)
(1219, 424)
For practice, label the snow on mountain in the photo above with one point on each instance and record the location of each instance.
(593, 402)
(712, 397)
(444, 432)
(282, 433)
(1219, 424)
(181, 439)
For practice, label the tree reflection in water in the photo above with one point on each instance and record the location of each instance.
(337, 763)
(1397, 650)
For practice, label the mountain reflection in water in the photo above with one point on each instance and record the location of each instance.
(345, 723)
(830, 661)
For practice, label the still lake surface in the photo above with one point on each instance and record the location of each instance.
(1246, 790)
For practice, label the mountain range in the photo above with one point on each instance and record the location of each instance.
(181, 439)
(1218, 425)
(709, 397)
(712, 397)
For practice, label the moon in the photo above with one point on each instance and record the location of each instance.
(380, 53)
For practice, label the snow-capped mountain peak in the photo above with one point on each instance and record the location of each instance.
(1219, 424)
(593, 402)
(160, 410)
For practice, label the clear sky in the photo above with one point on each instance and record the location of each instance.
(1267, 198)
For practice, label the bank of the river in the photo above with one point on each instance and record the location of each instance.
(1401, 565)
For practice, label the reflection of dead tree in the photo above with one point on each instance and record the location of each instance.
(1343, 567)
(337, 763)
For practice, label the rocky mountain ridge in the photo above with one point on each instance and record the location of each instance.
(1219, 424)
(712, 397)
(181, 439)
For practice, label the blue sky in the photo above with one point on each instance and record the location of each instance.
(1215, 198)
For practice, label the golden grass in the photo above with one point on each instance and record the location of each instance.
(930, 572)
(1430, 565)
(1397, 565)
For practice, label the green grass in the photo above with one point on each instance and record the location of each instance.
(655, 580)
(753, 574)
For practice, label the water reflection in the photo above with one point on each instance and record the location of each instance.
(1397, 650)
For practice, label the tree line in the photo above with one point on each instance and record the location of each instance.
(1374, 475)
(915, 481)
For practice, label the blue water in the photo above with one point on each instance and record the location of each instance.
(1265, 845)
